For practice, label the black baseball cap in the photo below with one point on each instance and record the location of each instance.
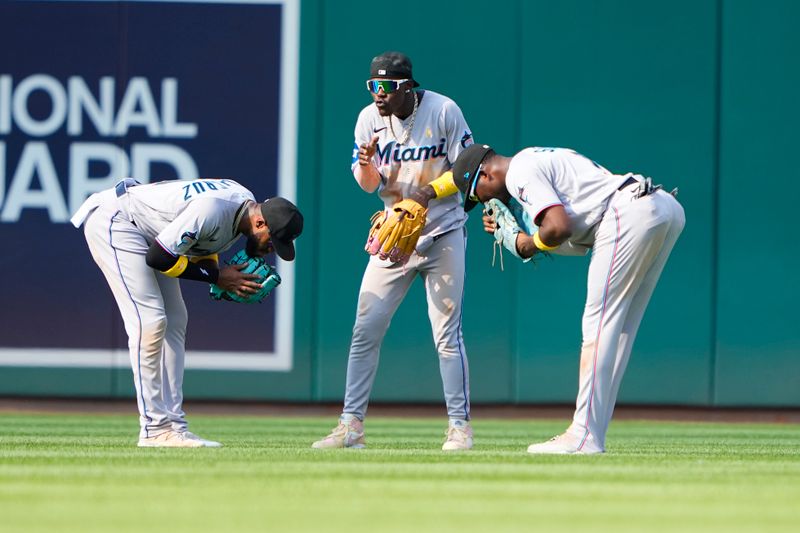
(285, 224)
(392, 65)
(466, 168)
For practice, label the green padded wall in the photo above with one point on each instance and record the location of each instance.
(758, 336)
(631, 85)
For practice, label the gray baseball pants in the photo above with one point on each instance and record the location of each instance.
(631, 247)
(153, 311)
(382, 289)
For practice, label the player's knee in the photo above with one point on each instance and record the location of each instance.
(372, 326)
(365, 337)
(449, 349)
(153, 330)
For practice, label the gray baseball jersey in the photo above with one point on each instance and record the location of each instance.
(438, 135)
(539, 178)
(192, 218)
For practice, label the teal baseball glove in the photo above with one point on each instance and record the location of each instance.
(509, 224)
(267, 276)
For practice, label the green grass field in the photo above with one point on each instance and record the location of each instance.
(84, 473)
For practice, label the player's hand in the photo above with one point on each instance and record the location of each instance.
(489, 223)
(367, 150)
(230, 279)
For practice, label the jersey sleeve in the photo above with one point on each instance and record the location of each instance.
(363, 134)
(529, 182)
(189, 227)
(459, 136)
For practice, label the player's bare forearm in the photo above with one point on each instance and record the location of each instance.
(525, 245)
(367, 177)
(555, 227)
(423, 195)
(441, 187)
(554, 236)
(366, 174)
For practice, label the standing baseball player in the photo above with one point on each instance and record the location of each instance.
(146, 237)
(630, 227)
(404, 142)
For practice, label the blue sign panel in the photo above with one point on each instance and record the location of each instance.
(91, 92)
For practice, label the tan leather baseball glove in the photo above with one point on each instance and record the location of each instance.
(394, 233)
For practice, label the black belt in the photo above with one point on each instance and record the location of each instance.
(646, 187)
(122, 187)
(629, 181)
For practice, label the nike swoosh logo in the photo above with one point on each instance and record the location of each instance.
(376, 130)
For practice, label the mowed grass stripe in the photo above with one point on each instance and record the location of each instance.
(84, 473)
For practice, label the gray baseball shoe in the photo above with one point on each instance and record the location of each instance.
(348, 434)
(169, 439)
(206, 443)
(565, 444)
(459, 436)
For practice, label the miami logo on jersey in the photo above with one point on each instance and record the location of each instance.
(394, 152)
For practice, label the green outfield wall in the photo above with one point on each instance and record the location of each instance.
(699, 94)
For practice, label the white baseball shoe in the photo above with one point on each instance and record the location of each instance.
(169, 439)
(459, 436)
(206, 443)
(348, 434)
(565, 444)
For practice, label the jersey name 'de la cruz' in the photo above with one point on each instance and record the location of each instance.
(439, 134)
(187, 217)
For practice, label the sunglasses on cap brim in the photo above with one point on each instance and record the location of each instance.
(473, 195)
(388, 86)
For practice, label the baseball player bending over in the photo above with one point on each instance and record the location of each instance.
(630, 226)
(144, 238)
(404, 141)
